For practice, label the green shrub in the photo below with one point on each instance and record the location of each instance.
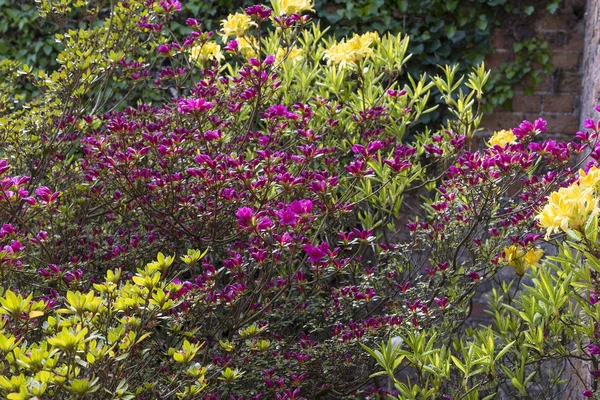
(281, 170)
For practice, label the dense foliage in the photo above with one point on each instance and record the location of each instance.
(442, 32)
(272, 214)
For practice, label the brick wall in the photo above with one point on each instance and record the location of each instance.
(590, 95)
(557, 98)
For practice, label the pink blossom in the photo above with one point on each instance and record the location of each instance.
(441, 302)
(190, 105)
(164, 49)
(593, 349)
(232, 46)
(315, 254)
(244, 217)
(46, 195)
(259, 11)
(474, 275)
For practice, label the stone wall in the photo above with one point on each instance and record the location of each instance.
(557, 98)
(590, 95)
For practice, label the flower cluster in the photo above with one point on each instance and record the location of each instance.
(502, 138)
(210, 51)
(290, 7)
(521, 258)
(236, 25)
(570, 208)
(350, 52)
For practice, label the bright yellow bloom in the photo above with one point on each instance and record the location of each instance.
(521, 259)
(502, 138)
(247, 46)
(236, 25)
(591, 179)
(353, 50)
(207, 52)
(292, 55)
(289, 7)
(568, 208)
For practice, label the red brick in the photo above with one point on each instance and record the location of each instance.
(493, 61)
(569, 82)
(474, 144)
(566, 60)
(528, 104)
(565, 41)
(561, 123)
(546, 83)
(552, 22)
(559, 104)
(503, 39)
(501, 120)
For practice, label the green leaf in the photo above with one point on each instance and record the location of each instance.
(505, 350)
(553, 6)
(459, 364)
(403, 6)
(591, 228)
(450, 31)
(482, 22)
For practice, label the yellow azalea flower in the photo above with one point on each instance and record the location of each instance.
(353, 50)
(521, 259)
(292, 55)
(533, 256)
(289, 7)
(502, 138)
(207, 52)
(236, 25)
(591, 179)
(568, 208)
(247, 46)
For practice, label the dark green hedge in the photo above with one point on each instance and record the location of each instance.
(441, 31)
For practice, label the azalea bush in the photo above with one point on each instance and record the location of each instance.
(270, 214)
(542, 340)
(90, 344)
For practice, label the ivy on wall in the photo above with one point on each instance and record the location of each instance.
(441, 31)
(454, 31)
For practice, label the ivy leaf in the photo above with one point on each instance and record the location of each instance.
(450, 31)
(482, 22)
(403, 6)
(517, 47)
(553, 6)
(460, 35)
(451, 5)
